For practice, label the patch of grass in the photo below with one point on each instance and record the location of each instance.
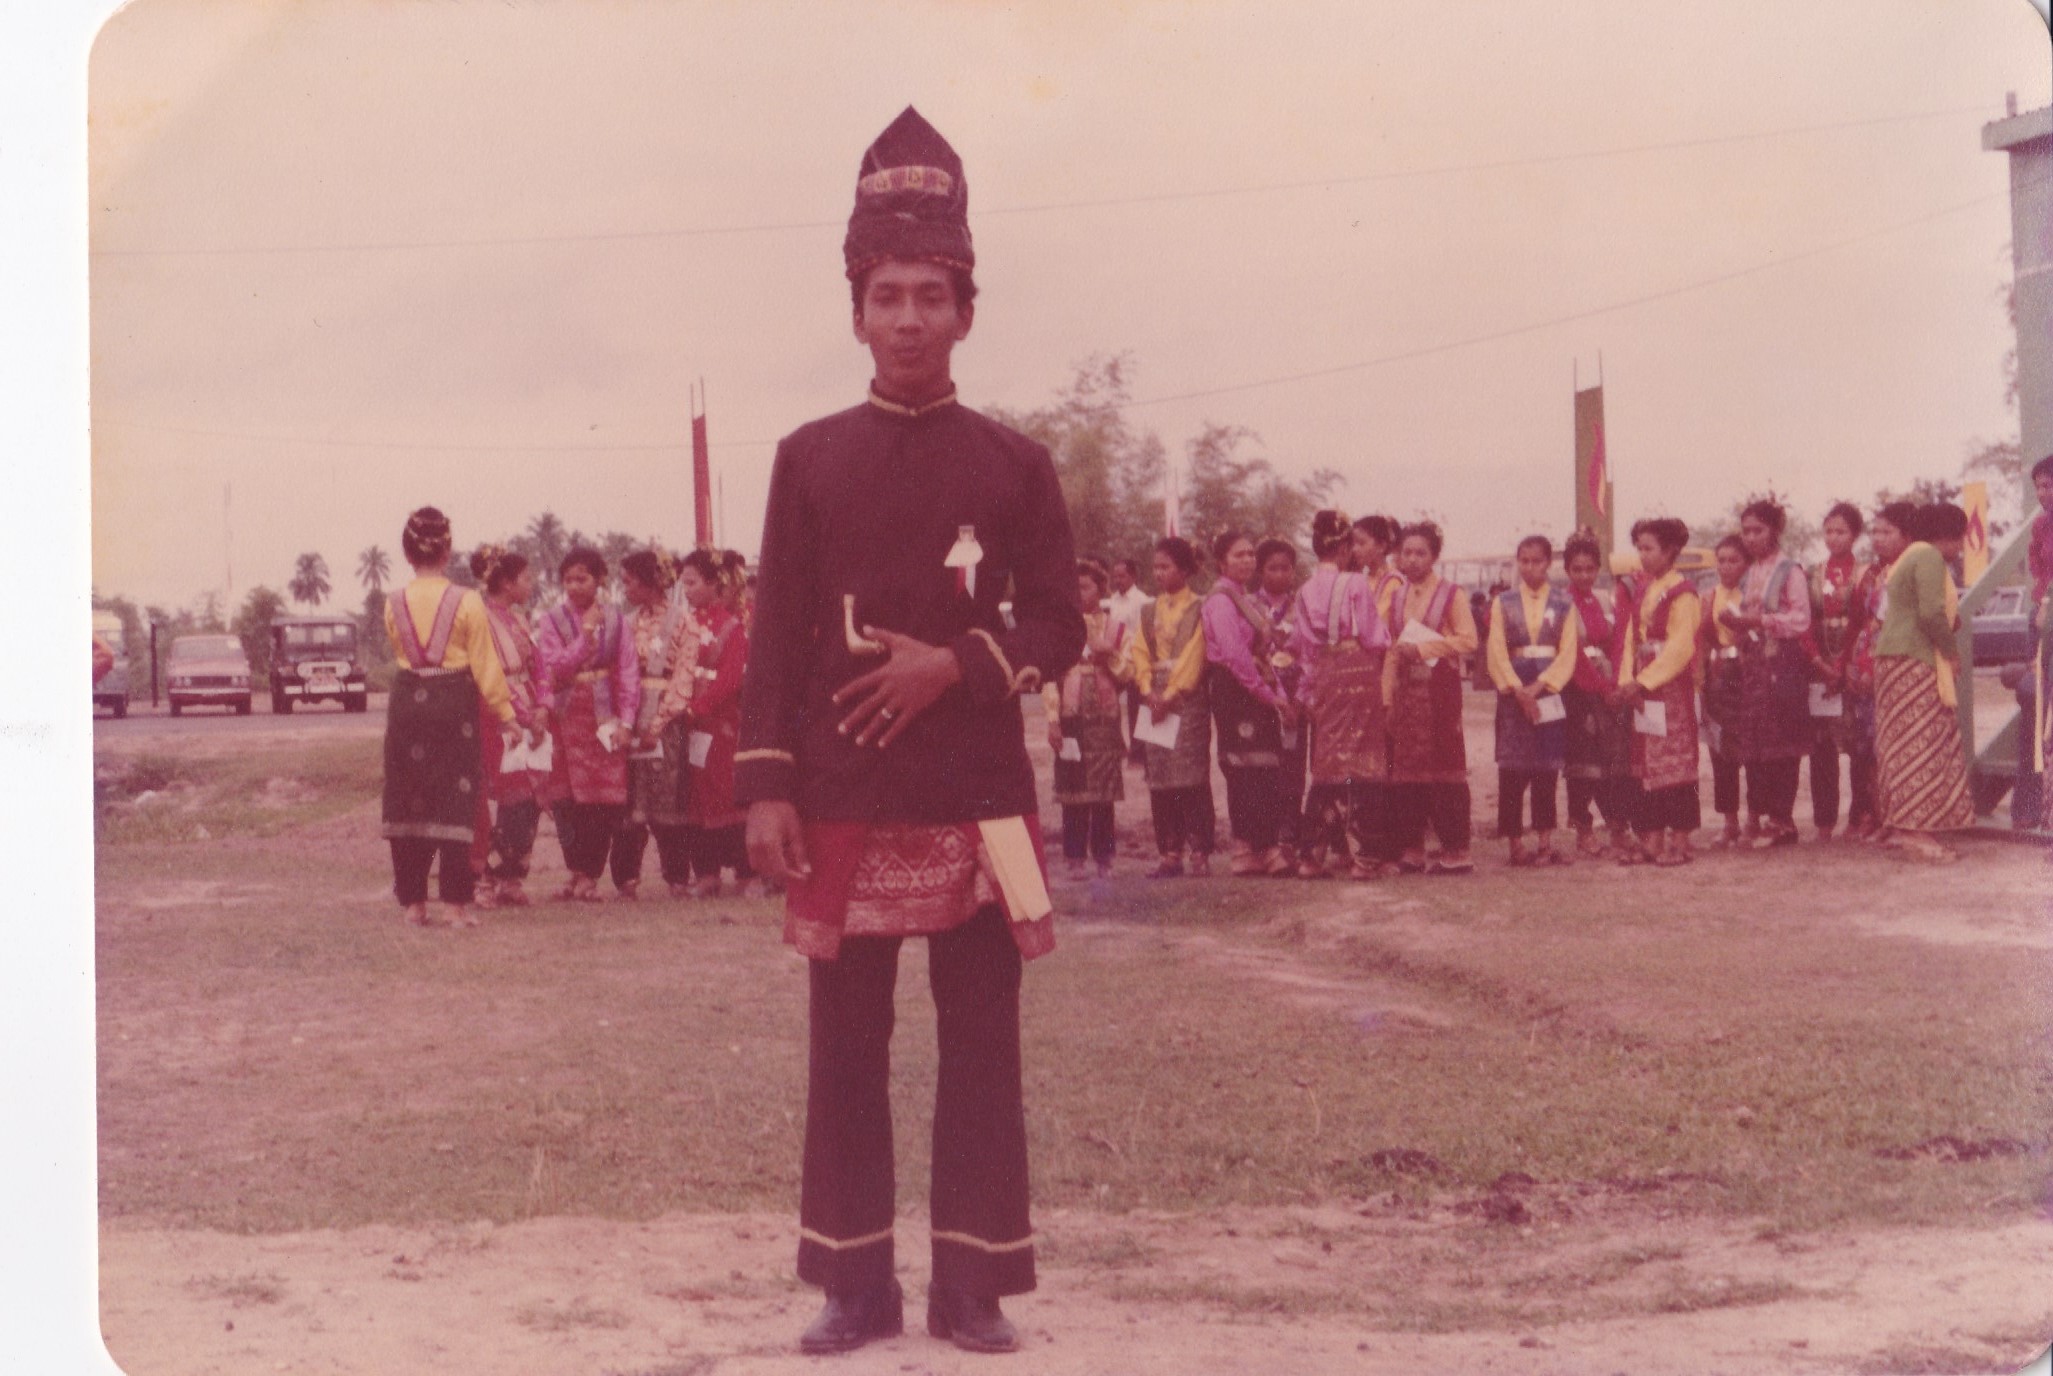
(241, 1291)
(262, 793)
(551, 1317)
(1728, 1043)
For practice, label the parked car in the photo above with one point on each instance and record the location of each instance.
(316, 659)
(110, 688)
(2003, 630)
(208, 671)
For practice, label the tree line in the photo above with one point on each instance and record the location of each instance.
(1112, 473)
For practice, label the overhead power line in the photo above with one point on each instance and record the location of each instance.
(1148, 198)
(1425, 351)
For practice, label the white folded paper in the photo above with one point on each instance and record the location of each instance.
(1418, 633)
(1552, 708)
(1651, 719)
(1162, 733)
(1825, 703)
(514, 759)
(700, 746)
(542, 758)
(1072, 749)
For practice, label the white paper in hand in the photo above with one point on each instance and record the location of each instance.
(1825, 703)
(1152, 732)
(1651, 719)
(1418, 633)
(542, 758)
(514, 758)
(700, 744)
(1552, 708)
(1072, 749)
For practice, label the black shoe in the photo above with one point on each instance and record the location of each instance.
(851, 1318)
(971, 1322)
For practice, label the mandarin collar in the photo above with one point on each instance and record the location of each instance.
(925, 408)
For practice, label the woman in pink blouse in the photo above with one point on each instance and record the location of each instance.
(1248, 707)
(589, 659)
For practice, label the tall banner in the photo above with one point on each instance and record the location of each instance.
(1593, 506)
(1974, 551)
(701, 470)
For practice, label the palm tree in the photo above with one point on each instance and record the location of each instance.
(309, 583)
(552, 541)
(373, 567)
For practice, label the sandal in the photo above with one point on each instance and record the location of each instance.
(1451, 867)
(417, 915)
(1674, 857)
(1168, 867)
(1551, 858)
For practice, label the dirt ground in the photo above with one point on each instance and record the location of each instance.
(1554, 1276)
(713, 1294)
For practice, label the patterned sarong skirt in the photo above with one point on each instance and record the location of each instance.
(432, 757)
(1920, 764)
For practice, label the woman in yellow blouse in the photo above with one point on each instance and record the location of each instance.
(442, 638)
(1657, 682)
(1166, 661)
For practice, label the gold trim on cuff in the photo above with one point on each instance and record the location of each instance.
(744, 756)
(844, 1244)
(982, 1246)
(991, 643)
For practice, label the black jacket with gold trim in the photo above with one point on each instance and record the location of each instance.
(868, 503)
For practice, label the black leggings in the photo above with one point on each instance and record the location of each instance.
(631, 842)
(1087, 830)
(1511, 790)
(413, 857)
(1607, 795)
(1444, 805)
(586, 831)
(1183, 819)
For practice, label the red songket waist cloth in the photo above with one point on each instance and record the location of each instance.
(902, 879)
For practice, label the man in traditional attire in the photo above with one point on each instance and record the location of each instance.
(884, 767)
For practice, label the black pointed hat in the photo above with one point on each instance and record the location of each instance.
(911, 200)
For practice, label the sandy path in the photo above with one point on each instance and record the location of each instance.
(1128, 1294)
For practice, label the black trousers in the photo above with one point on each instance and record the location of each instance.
(1443, 806)
(1725, 785)
(1087, 831)
(1254, 803)
(1604, 795)
(1183, 819)
(413, 857)
(1512, 786)
(1135, 751)
(982, 1239)
(1672, 809)
(586, 831)
(631, 842)
(513, 839)
(1292, 786)
(1771, 787)
(1860, 768)
(719, 848)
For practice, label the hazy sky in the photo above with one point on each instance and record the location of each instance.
(350, 256)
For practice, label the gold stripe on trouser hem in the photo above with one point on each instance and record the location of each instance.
(843, 1244)
(966, 1240)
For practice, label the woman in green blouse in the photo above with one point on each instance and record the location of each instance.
(1921, 762)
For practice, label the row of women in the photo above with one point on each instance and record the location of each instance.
(620, 720)
(1338, 703)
